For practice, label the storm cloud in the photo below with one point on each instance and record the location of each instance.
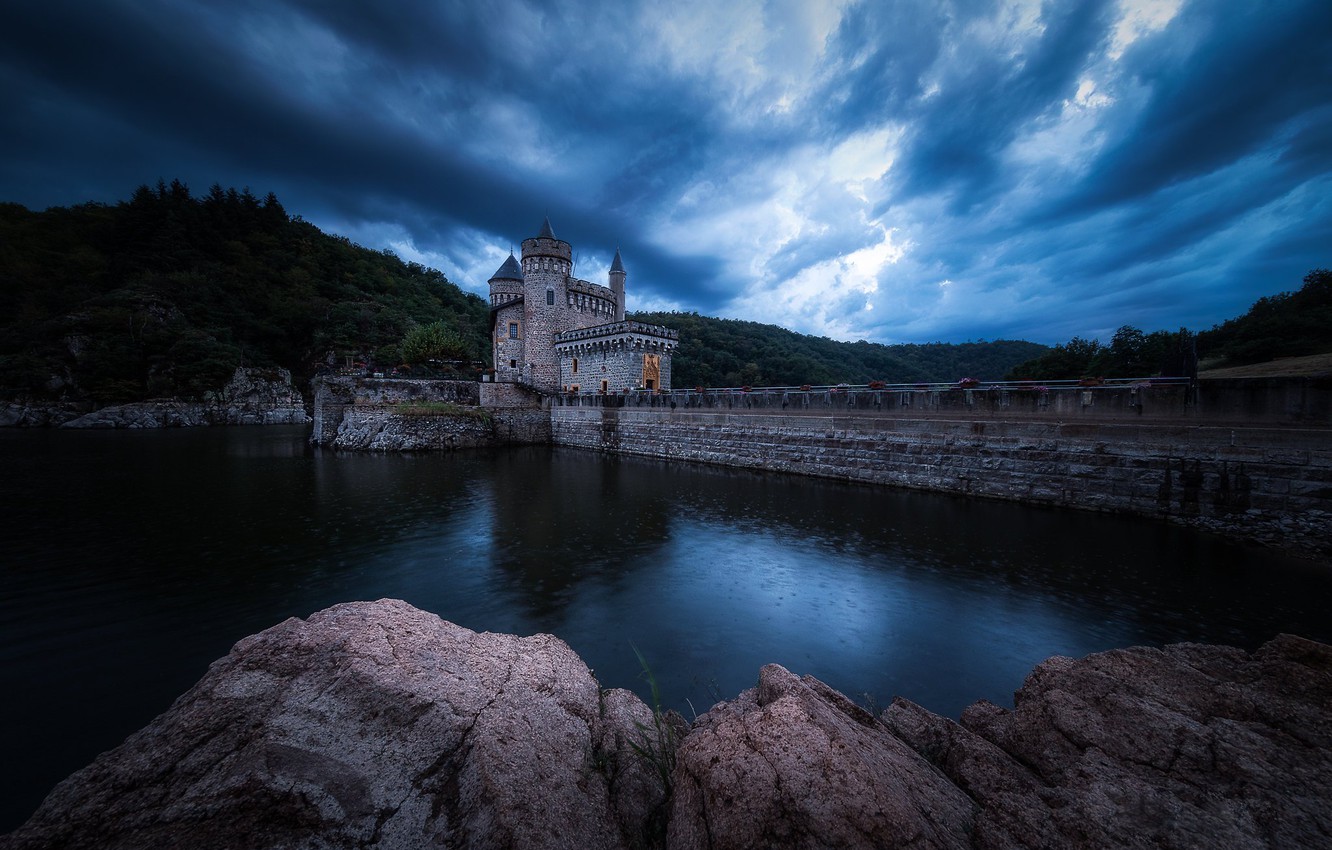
(898, 172)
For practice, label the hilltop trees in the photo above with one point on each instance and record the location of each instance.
(1130, 354)
(166, 294)
(1288, 324)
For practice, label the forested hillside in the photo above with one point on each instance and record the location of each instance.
(166, 294)
(732, 353)
(1288, 324)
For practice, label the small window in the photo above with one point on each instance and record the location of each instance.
(513, 364)
(550, 297)
(575, 365)
(513, 330)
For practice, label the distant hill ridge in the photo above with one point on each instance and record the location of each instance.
(733, 353)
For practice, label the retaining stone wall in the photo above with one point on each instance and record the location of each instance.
(333, 396)
(1265, 483)
(381, 428)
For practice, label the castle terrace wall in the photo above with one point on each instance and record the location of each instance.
(1271, 484)
(383, 428)
(334, 395)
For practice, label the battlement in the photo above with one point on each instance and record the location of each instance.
(626, 329)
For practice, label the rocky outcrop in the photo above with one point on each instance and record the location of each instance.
(251, 397)
(1187, 746)
(371, 724)
(378, 725)
(793, 763)
(31, 413)
(258, 397)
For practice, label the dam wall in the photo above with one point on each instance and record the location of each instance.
(1245, 457)
(1269, 483)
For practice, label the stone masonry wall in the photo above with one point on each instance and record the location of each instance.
(334, 396)
(1267, 483)
(381, 428)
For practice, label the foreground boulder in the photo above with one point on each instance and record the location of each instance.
(1187, 746)
(371, 724)
(378, 725)
(794, 763)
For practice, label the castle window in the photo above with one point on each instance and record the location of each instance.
(575, 365)
(550, 297)
(513, 364)
(513, 330)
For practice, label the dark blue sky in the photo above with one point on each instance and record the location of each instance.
(892, 171)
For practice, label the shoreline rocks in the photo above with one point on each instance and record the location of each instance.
(376, 724)
(252, 397)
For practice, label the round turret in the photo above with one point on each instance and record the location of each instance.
(617, 277)
(506, 284)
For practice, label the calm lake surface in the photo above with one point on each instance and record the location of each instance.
(130, 560)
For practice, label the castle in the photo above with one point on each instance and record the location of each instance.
(557, 333)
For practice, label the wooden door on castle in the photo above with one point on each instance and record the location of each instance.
(652, 371)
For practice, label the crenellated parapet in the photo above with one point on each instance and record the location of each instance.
(638, 334)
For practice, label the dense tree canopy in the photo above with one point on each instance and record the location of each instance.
(732, 353)
(166, 294)
(1289, 324)
(1130, 354)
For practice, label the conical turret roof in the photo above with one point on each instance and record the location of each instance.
(546, 231)
(509, 271)
(616, 264)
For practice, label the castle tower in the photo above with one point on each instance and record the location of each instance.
(617, 276)
(506, 320)
(547, 262)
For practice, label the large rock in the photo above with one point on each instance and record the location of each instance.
(793, 763)
(1187, 746)
(371, 724)
(378, 725)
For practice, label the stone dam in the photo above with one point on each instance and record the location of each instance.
(1250, 458)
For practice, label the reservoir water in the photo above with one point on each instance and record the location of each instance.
(130, 560)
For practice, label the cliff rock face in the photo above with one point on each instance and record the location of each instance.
(251, 397)
(370, 724)
(378, 725)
